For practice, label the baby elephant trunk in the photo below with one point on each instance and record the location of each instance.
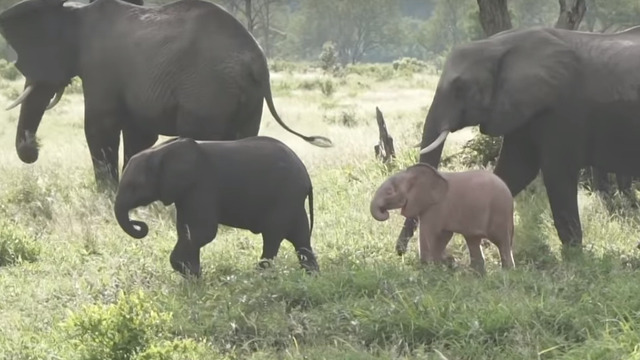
(378, 207)
(136, 229)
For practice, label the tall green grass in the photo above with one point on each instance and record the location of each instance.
(77, 287)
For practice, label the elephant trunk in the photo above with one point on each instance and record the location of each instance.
(136, 229)
(441, 119)
(378, 206)
(34, 101)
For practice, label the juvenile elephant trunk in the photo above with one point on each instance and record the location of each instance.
(136, 229)
(378, 209)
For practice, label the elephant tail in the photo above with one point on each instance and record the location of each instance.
(310, 195)
(320, 141)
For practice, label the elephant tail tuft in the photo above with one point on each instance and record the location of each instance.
(310, 195)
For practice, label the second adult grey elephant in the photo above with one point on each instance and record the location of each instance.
(188, 68)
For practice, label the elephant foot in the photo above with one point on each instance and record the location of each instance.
(571, 251)
(186, 268)
(264, 264)
(308, 260)
(402, 245)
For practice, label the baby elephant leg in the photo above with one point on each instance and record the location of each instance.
(504, 244)
(475, 253)
(271, 241)
(300, 237)
(439, 247)
(433, 246)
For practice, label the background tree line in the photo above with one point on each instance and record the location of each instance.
(385, 30)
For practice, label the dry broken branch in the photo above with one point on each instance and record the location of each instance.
(384, 149)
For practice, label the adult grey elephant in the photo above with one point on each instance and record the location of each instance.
(562, 100)
(188, 68)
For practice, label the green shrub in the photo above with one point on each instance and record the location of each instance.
(16, 245)
(75, 87)
(410, 65)
(132, 328)
(327, 87)
(282, 66)
(328, 56)
(8, 71)
(481, 151)
(346, 118)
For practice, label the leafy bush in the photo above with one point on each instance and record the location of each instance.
(75, 87)
(328, 56)
(327, 87)
(8, 71)
(16, 245)
(346, 118)
(482, 151)
(410, 65)
(132, 328)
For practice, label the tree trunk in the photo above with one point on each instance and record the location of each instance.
(267, 26)
(571, 14)
(247, 11)
(384, 150)
(494, 16)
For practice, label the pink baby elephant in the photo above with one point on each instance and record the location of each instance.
(476, 204)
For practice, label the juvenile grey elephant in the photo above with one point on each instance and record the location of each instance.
(187, 68)
(257, 184)
(475, 204)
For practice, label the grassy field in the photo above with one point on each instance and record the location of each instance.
(73, 285)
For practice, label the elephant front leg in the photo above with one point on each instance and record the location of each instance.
(102, 132)
(185, 257)
(476, 255)
(408, 229)
(562, 191)
(135, 141)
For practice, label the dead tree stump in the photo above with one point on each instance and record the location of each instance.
(384, 150)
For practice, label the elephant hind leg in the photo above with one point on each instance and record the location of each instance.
(504, 242)
(247, 123)
(476, 255)
(300, 237)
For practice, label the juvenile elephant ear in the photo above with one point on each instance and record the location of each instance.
(177, 166)
(534, 72)
(40, 33)
(426, 187)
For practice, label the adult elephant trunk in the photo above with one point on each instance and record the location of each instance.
(441, 119)
(136, 229)
(34, 101)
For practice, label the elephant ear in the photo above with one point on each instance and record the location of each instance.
(134, 2)
(534, 72)
(176, 163)
(40, 33)
(425, 188)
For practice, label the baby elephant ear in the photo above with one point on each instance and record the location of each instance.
(178, 162)
(425, 188)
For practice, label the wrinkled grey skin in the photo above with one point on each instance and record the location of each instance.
(188, 68)
(476, 204)
(562, 99)
(257, 184)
